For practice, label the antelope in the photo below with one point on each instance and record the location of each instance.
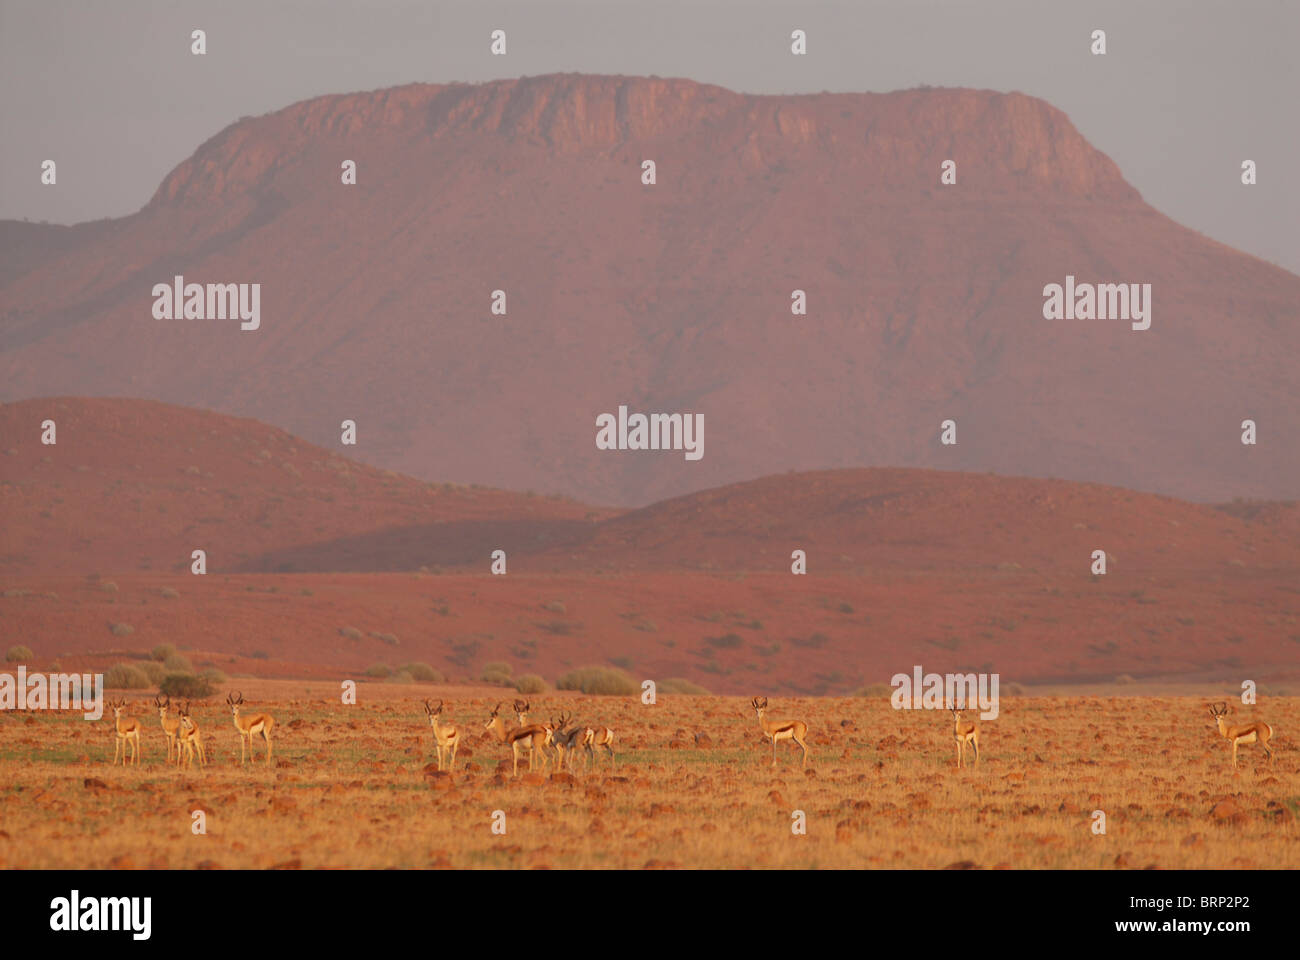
(534, 736)
(444, 737)
(128, 731)
(170, 726)
(565, 741)
(190, 739)
(964, 732)
(794, 730)
(1255, 732)
(250, 726)
(594, 737)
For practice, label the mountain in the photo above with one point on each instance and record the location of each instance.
(925, 302)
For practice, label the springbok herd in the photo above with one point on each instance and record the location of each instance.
(561, 737)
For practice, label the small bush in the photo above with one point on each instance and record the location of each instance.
(874, 690)
(152, 669)
(126, 676)
(379, 670)
(554, 606)
(18, 653)
(1124, 679)
(530, 683)
(598, 680)
(423, 673)
(387, 638)
(169, 594)
(162, 652)
(108, 586)
(351, 633)
(121, 629)
(497, 673)
(401, 676)
(186, 685)
(682, 687)
(213, 676)
(178, 663)
(726, 642)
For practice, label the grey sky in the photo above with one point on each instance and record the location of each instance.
(1187, 90)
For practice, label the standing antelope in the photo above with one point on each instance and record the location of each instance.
(594, 737)
(964, 732)
(1257, 731)
(533, 736)
(794, 730)
(190, 738)
(128, 731)
(250, 726)
(169, 725)
(565, 741)
(444, 737)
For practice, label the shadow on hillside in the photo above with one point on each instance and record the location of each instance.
(458, 544)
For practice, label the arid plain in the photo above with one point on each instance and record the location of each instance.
(691, 786)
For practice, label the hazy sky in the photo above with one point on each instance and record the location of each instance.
(110, 91)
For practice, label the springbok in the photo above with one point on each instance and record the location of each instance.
(964, 732)
(534, 736)
(594, 737)
(169, 725)
(794, 730)
(190, 738)
(1256, 732)
(565, 741)
(250, 726)
(444, 737)
(128, 731)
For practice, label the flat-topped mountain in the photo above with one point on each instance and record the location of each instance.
(925, 301)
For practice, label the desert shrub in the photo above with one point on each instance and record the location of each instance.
(727, 641)
(816, 640)
(497, 673)
(1124, 679)
(401, 676)
(379, 670)
(169, 594)
(530, 683)
(351, 633)
(162, 652)
(682, 687)
(387, 638)
(152, 669)
(18, 653)
(126, 676)
(599, 681)
(121, 629)
(108, 586)
(423, 673)
(874, 690)
(187, 685)
(178, 663)
(554, 606)
(213, 676)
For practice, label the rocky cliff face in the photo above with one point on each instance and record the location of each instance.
(924, 301)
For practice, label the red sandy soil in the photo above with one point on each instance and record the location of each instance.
(947, 570)
(925, 302)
